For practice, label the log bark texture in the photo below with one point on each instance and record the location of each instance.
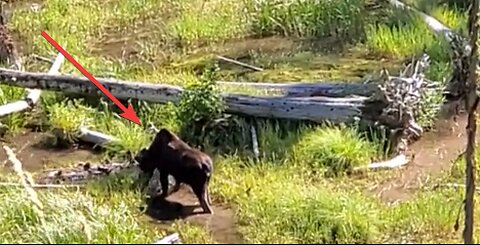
(33, 94)
(315, 109)
(329, 89)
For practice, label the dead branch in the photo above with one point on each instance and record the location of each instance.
(95, 137)
(41, 58)
(471, 104)
(26, 180)
(170, 239)
(405, 95)
(33, 94)
(256, 152)
(396, 162)
(39, 186)
(239, 63)
(453, 185)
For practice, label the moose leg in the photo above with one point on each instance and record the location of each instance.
(164, 183)
(176, 187)
(207, 192)
(201, 194)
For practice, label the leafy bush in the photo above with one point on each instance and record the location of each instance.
(199, 105)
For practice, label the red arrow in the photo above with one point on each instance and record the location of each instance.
(128, 113)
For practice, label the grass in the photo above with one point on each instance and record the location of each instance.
(284, 196)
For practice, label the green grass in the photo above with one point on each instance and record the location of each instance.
(281, 197)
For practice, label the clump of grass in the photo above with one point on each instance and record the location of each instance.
(208, 21)
(452, 18)
(20, 222)
(405, 41)
(309, 18)
(65, 119)
(334, 150)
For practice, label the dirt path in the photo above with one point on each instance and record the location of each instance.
(221, 225)
(434, 153)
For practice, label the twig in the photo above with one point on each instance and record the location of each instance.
(170, 239)
(40, 185)
(17, 167)
(453, 185)
(41, 58)
(239, 63)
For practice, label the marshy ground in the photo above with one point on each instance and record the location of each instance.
(283, 196)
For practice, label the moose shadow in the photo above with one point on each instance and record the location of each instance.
(166, 210)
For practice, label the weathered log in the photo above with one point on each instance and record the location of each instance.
(95, 137)
(437, 27)
(33, 94)
(328, 89)
(396, 162)
(315, 109)
(170, 239)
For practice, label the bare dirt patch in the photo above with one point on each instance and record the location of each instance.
(30, 150)
(434, 153)
(184, 205)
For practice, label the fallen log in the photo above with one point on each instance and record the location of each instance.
(33, 94)
(328, 89)
(396, 162)
(436, 26)
(317, 109)
(170, 239)
(95, 137)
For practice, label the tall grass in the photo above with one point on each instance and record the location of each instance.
(309, 18)
(406, 40)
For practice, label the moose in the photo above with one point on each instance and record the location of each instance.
(172, 156)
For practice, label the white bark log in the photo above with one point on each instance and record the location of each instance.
(396, 162)
(170, 239)
(315, 109)
(95, 137)
(33, 94)
(329, 89)
(439, 28)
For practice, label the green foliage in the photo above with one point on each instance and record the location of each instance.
(405, 41)
(333, 150)
(200, 104)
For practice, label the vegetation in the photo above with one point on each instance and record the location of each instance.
(297, 191)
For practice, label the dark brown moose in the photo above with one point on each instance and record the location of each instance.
(172, 156)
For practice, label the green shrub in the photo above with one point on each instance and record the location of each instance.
(333, 149)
